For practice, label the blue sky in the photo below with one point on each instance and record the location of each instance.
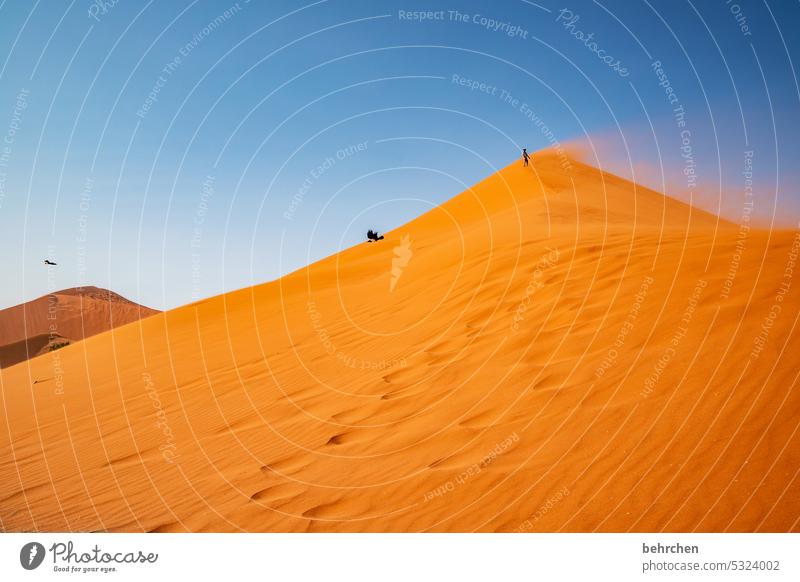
(174, 151)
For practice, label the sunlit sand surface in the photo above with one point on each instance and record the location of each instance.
(555, 349)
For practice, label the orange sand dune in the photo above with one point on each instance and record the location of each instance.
(552, 350)
(62, 317)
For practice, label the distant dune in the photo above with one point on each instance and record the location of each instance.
(61, 318)
(555, 349)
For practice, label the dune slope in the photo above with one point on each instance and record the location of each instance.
(555, 349)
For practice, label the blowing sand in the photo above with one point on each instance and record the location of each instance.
(552, 350)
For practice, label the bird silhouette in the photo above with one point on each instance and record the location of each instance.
(373, 236)
(49, 262)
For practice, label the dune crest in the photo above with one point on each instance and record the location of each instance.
(563, 350)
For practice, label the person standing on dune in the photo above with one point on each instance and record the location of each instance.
(525, 157)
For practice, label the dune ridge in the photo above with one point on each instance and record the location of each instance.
(561, 350)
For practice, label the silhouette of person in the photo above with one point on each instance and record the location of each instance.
(525, 156)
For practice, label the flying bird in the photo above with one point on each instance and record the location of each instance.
(49, 262)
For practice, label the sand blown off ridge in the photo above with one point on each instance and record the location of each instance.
(559, 350)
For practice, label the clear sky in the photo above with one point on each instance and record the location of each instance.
(175, 150)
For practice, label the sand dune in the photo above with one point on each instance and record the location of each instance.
(61, 318)
(552, 350)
